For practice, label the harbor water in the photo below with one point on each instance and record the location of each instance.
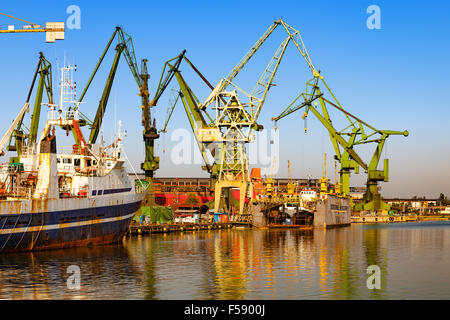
(413, 259)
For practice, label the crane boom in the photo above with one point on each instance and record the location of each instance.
(10, 130)
(164, 81)
(229, 78)
(53, 30)
(196, 120)
(249, 54)
(300, 45)
(265, 82)
(98, 65)
(96, 124)
(124, 47)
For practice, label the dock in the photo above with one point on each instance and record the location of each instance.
(140, 229)
(290, 226)
(393, 219)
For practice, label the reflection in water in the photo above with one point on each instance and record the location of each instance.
(375, 252)
(244, 264)
(43, 275)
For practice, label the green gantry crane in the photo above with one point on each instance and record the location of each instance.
(348, 138)
(196, 116)
(23, 136)
(226, 134)
(125, 47)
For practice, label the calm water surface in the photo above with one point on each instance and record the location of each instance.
(414, 259)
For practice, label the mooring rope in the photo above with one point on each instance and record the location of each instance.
(124, 153)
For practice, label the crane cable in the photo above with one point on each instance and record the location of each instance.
(7, 15)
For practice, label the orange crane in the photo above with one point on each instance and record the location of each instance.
(53, 30)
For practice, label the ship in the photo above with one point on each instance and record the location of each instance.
(58, 197)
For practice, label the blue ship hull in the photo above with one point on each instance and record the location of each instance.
(69, 228)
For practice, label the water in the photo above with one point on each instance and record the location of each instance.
(414, 259)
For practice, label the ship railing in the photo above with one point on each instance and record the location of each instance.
(62, 168)
(63, 115)
(28, 192)
(68, 150)
(19, 192)
(7, 168)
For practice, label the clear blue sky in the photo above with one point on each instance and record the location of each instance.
(394, 78)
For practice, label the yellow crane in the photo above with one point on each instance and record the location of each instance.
(290, 185)
(53, 30)
(270, 182)
(324, 180)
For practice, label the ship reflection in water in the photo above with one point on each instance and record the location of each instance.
(244, 264)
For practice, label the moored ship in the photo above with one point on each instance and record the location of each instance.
(54, 197)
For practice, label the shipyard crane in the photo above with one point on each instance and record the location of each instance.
(227, 133)
(53, 30)
(357, 131)
(324, 180)
(235, 120)
(124, 47)
(291, 184)
(21, 136)
(196, 116)
(270, 182)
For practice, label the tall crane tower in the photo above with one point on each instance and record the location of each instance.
(324, 180)
(226, 133)
(53, 30)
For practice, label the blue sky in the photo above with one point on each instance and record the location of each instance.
(395, 78)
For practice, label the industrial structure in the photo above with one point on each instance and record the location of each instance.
(227, 133)
(224, 135)
(19, 137)
(125, 47)
(358, 133)
(54, 197)
(344, 141)
(223, 124)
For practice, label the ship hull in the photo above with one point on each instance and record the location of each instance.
(333, 211)
(83, 225)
